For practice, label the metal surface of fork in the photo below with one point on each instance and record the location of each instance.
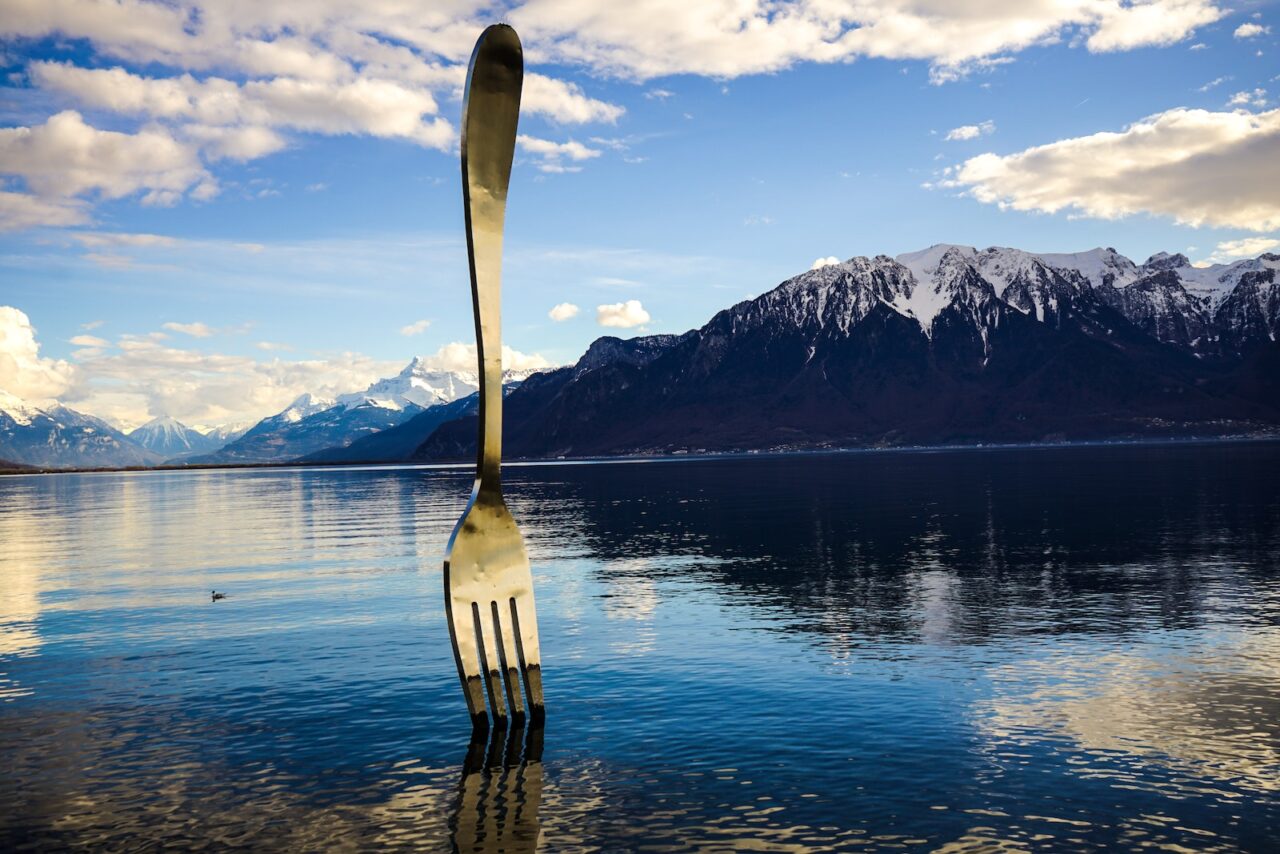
(488, 586)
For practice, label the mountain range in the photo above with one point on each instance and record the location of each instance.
(319, 429)
(949, 344)
(57, 436)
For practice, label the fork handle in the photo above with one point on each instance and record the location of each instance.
(490, 113)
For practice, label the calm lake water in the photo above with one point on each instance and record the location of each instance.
(1024, 649)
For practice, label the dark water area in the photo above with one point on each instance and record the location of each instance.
(1050, 649)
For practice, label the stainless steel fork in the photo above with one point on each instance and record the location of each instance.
(488, 588)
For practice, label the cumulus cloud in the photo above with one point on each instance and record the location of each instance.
(1254, 98)
(623, 315)
(460, 357)
(726, 39)
(21, 210)
(971, 131)
(562, 312)
(1246, 247)
(144, 377)
(565, 102)
(237, 116)
(552, 154)
(1251, 31)
(195, 330)
(416, 328)
(89, 341)
(829, 261)
(23, 371)
(1198, 167)
(65, 157)
(235, 81)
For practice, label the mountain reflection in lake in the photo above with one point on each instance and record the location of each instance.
(1071, 648)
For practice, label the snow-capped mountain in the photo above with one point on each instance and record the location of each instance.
(60, 437)
(950, 343)
(422, 387)
(311, 424)
(169, 437)
(225, 433)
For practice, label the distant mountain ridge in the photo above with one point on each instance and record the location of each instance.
(949, 344)
(314, 425)
(60, 437)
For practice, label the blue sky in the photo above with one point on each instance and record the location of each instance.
(252, 207)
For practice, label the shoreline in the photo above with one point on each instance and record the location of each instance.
(669, 456)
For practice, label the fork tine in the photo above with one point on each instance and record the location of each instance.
(510, 661)
(525, 622)
(489, 666)
(462, 630)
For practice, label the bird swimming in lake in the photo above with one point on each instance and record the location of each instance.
(217, 595)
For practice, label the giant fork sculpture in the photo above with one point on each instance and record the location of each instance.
(488, 588)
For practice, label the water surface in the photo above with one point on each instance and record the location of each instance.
(1074, 648)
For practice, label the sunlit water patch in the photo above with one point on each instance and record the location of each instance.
(1051, 649)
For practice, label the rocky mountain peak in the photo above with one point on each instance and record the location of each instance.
(1165, 261)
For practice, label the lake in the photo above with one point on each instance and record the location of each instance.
(1071, 648)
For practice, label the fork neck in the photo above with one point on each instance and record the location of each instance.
(486, 283)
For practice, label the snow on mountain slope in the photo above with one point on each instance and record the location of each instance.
(832, 296)
(932, 269)
(1098, 266)
(170, 438)
(58, 436)
(420, 386)
(17, 409)
(224, 433)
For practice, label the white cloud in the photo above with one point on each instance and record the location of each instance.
(90, 341)
(623, 315)
(1256, 98)
(65, 157)
(1125, 26)
(144, 378)
(565, 102)
(98, 239)
(1246, 247)
(1217, 81)
(563, 312)
(460, 357)
(23, 372)
(21, 210)
(195, 330)
(272, 346)
(109, 260)
(1198, 167)
(971, 131)
(231, 80)
(92, 324)
(235, 143)
(553, 153)
(727, 39)
(829, 261)
(234, 119)
(1249, 31)
(659, 94)
(416, 328)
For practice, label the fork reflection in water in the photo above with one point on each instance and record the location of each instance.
(500, 792)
